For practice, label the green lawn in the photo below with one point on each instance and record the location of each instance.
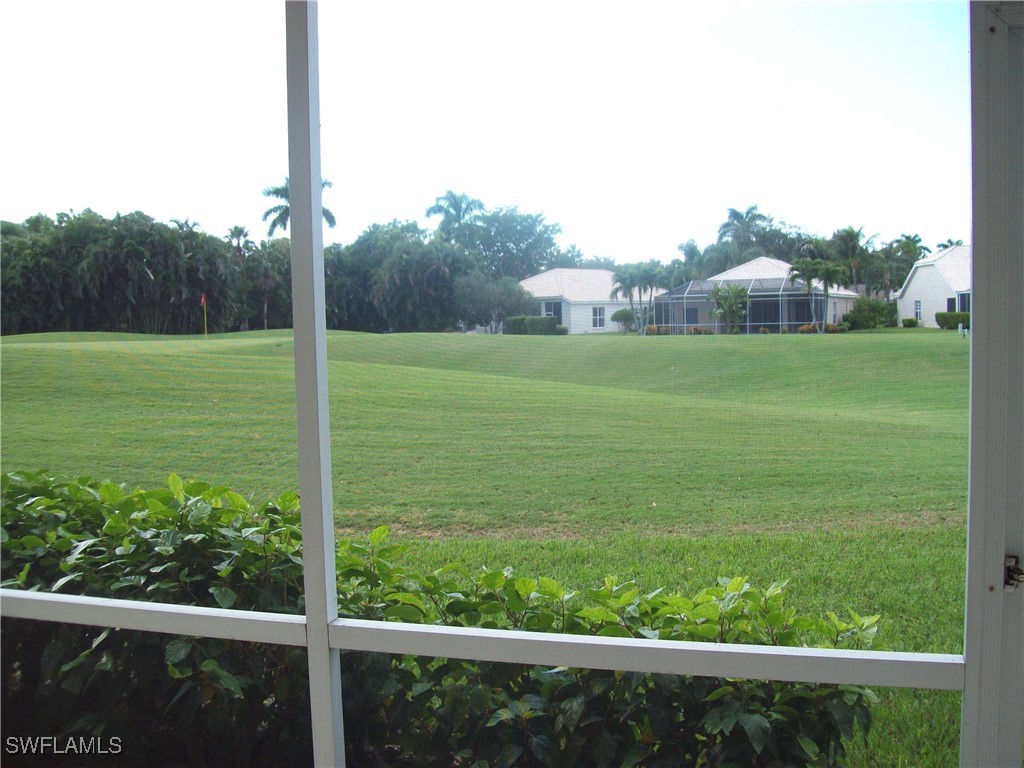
(839, 462)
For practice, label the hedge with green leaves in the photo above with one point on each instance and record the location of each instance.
(951, 320)
(532, 325)
(214, 702)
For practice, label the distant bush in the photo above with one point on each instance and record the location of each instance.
(764, 330)
(561, 330)
(700, 330)
(542, 325)
(202, 701)
(625, 318)
(891, 315)
(952, 320)
(910, 322)
(532, 325)
(811, 328)
(870, 313)
(842, 327)
(516, 325)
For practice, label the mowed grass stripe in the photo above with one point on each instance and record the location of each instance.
(457, 451)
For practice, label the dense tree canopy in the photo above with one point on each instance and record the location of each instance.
(131, 273)
(82, 272)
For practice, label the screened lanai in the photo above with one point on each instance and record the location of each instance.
(774, 304)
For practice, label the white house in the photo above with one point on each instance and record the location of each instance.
(940, 282)
(579, 298)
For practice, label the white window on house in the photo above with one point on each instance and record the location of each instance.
(835, 312)
(598, 321)
(917, 310)
(552, 309)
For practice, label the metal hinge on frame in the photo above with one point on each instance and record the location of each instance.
(1013, 574)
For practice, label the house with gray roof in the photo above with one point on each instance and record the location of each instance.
(776, 302)
(940, 282)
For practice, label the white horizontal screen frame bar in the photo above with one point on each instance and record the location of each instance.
(812, 665)
(191, 620)
(673, 657)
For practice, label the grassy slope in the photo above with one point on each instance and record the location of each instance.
(837, 461)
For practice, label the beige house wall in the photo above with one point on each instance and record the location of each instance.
(931, 289)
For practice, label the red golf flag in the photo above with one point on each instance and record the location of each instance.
(202, 301)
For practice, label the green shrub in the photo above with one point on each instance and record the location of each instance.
(192, 701)
(700, 330)
(561, 330)
(214, 702)
(541, 325)
(870, 313)
(516, 325)
(625, 318)
(891, 319)
(763, 330)
(952, 320)
(910, 322)
(812, 328)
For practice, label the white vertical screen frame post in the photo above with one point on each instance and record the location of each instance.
(992, 722)
(311, 393)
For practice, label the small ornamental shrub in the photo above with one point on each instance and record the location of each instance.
(625, 319)
(910, 322)
(812, 328)
(870, 313)
(200, 701)
(561, 330)
(700, 330)
(763, 330)
(951, 320)
(652, 330)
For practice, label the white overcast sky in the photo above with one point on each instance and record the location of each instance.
(633, 125)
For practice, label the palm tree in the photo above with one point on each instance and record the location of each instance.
(239, 239)
(650, 277)
(948, 244)
(910, 246)
(730, 304)
(626, 279)
(454, 210)
(281, 213)
(742, 227)
(806, 271)
(831, 273)
(849, 249)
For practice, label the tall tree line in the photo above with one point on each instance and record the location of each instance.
(877, 269)
(84, 272)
